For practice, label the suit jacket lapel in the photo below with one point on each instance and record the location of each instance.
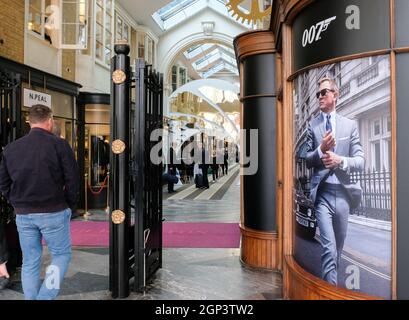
(321, 127)
(337, 131)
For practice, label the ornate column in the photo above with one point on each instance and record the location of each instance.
(256, 57)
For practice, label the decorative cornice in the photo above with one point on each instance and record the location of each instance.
(254, 43)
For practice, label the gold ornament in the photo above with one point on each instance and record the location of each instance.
(118, 76)
(254, 14)
(118, 146)
(118, 216)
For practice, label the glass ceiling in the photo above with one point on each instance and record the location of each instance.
(210, 58)
(172, 8)
(179, 10)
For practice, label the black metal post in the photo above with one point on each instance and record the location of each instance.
(16, 108)
(139, 145)
(119, 182)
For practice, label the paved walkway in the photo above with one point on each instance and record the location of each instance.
(197, 274)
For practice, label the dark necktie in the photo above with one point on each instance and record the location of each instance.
(328, 125)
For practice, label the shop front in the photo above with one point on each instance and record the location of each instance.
(35, 86)
(340, 83)
(94, 148)
(341, 217)
(20, 88)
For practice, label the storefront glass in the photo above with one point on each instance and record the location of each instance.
(64, 114)
(96, 155)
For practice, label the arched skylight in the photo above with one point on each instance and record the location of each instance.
(179, 10)
(210, 58)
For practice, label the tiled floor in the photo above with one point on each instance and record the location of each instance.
(196, 274)
(187, 274)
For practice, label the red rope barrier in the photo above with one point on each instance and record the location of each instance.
(100, 190)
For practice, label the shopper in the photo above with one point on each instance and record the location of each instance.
(39, 177)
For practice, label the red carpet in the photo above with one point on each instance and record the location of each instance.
(175, 234)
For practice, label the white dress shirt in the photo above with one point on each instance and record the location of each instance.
(332, 178)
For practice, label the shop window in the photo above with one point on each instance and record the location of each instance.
(376, 127)
(179, 77)
(376, 155)
(122, 29)
(141, 45)
(62, 23)
(35, 16)
(97, 139)
(103, 31)
(146, 48)
(388, 124)
(153, 53)
(150, 51)
(62, 106)
(182, 76)
(74, 24)
(63, 129)
(174, 78)
(380, 138)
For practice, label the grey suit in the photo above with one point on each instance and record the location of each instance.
(332, 202)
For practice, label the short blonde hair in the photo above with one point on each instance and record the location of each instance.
(332, 84)
(39, 114)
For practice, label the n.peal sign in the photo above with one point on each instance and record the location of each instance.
(32, 98)
(330, 29)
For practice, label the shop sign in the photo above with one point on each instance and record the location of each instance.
(330, 29)
(32, 98)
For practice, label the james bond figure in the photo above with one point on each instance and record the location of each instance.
(334, 151)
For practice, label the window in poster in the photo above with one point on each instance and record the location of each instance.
(342, 174)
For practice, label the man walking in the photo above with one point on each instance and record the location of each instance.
(39, 177)
(334, 151)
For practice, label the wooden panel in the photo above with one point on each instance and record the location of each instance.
(279, 161)
(394, 177)
(253, 43)
(259, 249)
(304, 286)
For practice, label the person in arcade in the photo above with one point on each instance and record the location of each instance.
(39, 177)
(334, 151)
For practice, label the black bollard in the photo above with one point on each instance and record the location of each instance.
(119, 182)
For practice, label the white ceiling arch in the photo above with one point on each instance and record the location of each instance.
(170, 57)
(194, 88)
(214, 124)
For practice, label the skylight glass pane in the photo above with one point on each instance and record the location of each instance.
(209, 58)
(213, 70)
(197, 51)
(179, 10)
(172, 7)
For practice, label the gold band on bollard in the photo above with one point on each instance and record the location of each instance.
(118, 216)
(118, 146)
(118, 76)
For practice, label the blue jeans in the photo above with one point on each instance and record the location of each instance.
(55, 229)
